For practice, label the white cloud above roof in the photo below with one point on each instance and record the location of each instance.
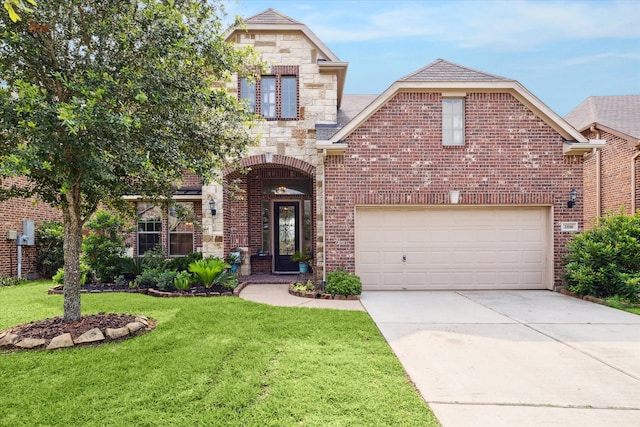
(504, 24)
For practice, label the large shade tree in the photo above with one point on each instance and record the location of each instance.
(101, 99)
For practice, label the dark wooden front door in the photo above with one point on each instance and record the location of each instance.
(286, 218)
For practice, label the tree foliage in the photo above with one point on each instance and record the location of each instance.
(49, 250)
(105, 244)
(104, 99)
(20, 5)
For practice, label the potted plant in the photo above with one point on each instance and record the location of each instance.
(234, 258)
(303, 258)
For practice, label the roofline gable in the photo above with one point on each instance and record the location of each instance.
(633, 141)
(510, 86)
(331, 61)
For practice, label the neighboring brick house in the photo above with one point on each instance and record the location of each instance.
(611, 175)
(450, 179)
(12, 214)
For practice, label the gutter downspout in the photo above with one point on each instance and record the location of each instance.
(593, 129)
(324, 218)
(598, 185)
(633, 182)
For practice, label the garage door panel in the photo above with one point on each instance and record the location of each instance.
(453, 247)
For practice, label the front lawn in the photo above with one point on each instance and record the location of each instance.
(210, 361)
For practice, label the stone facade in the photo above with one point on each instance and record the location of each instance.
(285, 149)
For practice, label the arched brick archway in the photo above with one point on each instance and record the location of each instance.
(261, 161)
(249, 221)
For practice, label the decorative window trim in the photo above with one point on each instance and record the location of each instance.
(252, 91)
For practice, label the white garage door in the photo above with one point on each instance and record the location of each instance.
(454, 247)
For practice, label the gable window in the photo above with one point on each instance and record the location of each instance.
(452, 121)
(149, 230)
(273, 96)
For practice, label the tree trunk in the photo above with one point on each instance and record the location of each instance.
(72, 248)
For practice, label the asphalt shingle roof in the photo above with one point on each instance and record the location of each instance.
(620, 113)
(350, 107)
(445, 71)
(271, 16)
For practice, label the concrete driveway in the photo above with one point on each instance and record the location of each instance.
(515, 358)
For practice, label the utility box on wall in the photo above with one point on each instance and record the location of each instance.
(12, 235)
(28, 236)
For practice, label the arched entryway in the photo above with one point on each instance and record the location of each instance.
(269, 212)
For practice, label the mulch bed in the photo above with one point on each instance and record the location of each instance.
(196, 291)
(51, 328)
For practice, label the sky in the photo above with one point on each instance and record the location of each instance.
(561, 51)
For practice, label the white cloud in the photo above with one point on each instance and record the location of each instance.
(598, 58)
(508, 25)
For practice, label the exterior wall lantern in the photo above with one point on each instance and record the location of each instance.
(573, 195)
(212, 207)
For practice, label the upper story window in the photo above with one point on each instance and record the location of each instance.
(453, 121)
(277, 93)
(289, 97)
(248, 93)
(268, 86)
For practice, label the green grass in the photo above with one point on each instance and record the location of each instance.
(210, 362)
(615, 302)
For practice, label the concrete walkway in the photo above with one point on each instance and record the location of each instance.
(515, 358)
(279, 295)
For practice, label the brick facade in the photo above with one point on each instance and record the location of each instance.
(615, 163)
(12, 213)
(510, 157)
(243, 214)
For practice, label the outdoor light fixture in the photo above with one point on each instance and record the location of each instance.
(573, 195)
(212, 207)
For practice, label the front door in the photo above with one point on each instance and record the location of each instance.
(286, 220)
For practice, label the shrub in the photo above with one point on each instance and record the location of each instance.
(155, 259)
(148, 279)
(605, 261)
(105, 244)
(213, 271)
(86, 275)
(165, 280)
(49, 253)
(182, 263)
(182, 281)
(340, 282)
(130, 268)
(11, 281)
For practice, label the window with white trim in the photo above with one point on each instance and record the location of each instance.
(453, 121)
(149, 228)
